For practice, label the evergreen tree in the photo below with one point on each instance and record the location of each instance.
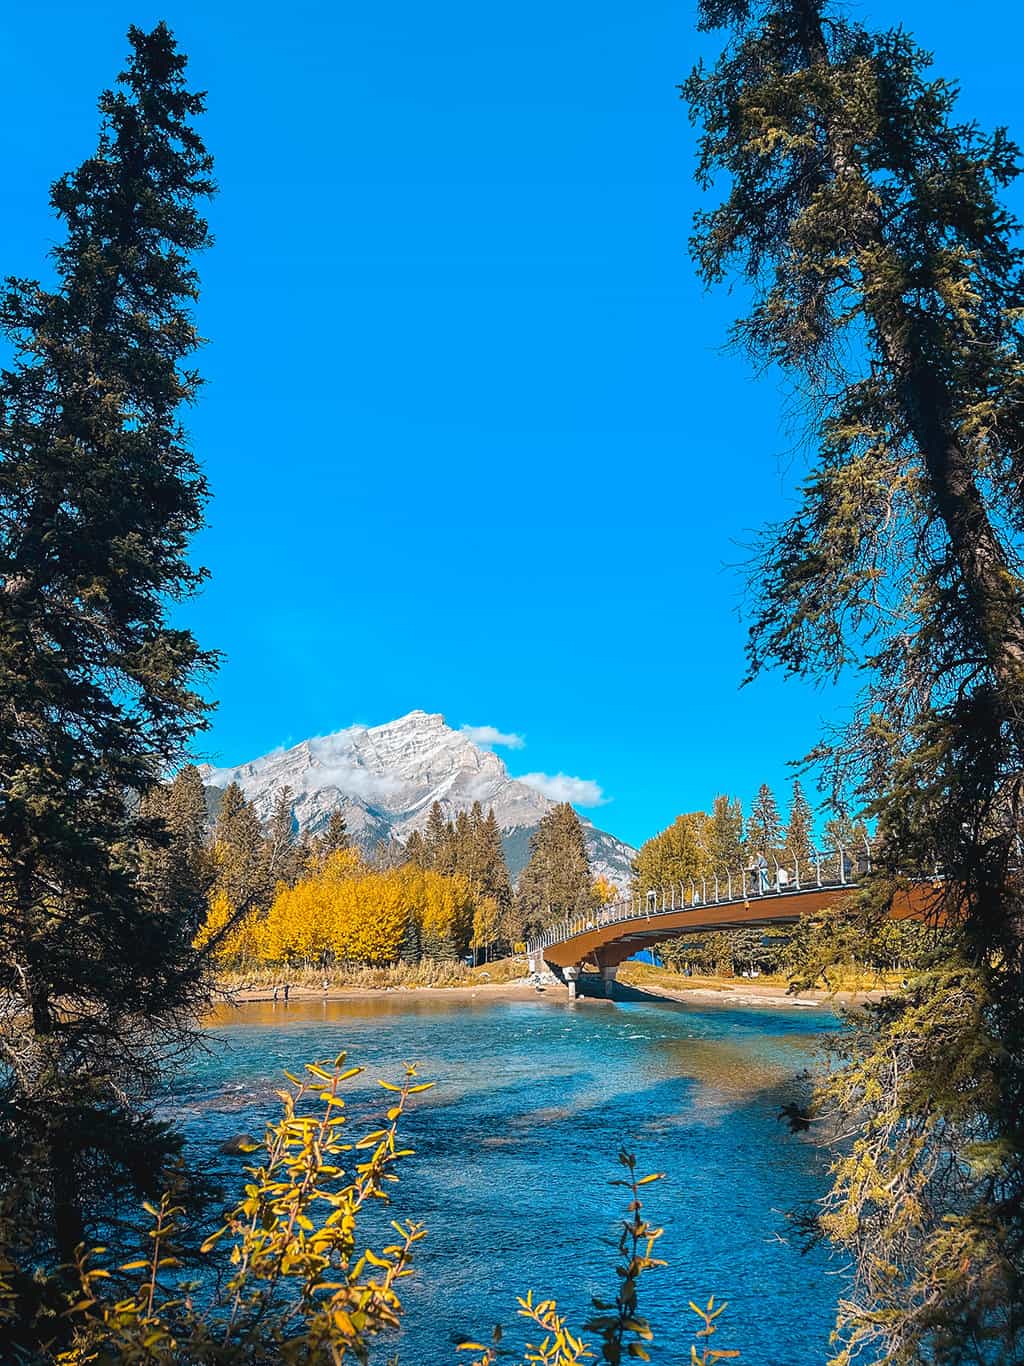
(469, 845)
(388, 853)
(748, 951)
(487, 873)
(174, 858)
(412, 944)
(764, 826)
(334, 839)
(800, 830)
(463, 845)
(438, 839)
(99, 495)
(723, 834)
(187, 815)
(285, 854)
(439, 947)
(843, 832)
(241, 853)
(486, 928)
(494, 879)
(479, 855)
(888, 280)
(556, 881)
(415, 850)
(512, 925)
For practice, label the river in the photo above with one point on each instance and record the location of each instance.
(517, 1143)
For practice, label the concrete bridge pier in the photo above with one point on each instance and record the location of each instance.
(571, 977)
(608, 974)
(583, 980)
(599, 984)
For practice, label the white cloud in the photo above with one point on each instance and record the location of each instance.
(560, 787)
(352, 781)
(489, 736)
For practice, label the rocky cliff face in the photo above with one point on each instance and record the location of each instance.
(386, 778)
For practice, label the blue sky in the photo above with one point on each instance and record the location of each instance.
(473, 444)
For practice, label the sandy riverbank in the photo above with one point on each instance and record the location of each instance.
(753, 994)
(494, 991)
(723, 991)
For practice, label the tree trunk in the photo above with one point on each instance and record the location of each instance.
(974, 543)
(68, 1220)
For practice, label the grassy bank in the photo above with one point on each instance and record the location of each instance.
(259, 981)
(399, 977)
(854, 979)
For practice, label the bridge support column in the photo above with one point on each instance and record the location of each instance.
(608, 981)
(571, 977)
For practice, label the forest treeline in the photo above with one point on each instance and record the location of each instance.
(275, 895)
(272, 894)
(705, 844)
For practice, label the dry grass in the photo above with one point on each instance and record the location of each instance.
(853, 978)
(262, 977)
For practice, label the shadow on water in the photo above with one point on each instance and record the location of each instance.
(624, 992)
(517, 1144)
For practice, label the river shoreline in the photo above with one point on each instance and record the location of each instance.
(724, 992)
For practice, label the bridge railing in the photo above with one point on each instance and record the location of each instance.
(766, 877)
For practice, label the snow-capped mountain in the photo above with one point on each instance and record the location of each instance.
(386, 778)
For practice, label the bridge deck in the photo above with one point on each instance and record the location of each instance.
(611, 936)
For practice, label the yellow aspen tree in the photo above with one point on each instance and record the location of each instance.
(605, 892)
(486, 929)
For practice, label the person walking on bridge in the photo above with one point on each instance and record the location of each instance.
(759, 874)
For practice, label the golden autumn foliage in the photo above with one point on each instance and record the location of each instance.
(228, 939)
(344, 911)
(605, 892)
(486, 922)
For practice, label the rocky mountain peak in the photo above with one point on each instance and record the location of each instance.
(386, 778)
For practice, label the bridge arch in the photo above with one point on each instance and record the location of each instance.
(599, 943)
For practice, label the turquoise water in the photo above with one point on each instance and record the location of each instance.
(518, 1141)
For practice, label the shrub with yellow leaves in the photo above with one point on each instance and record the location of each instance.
(298, 1289)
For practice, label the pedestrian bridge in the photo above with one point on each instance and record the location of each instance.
(592, 947)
